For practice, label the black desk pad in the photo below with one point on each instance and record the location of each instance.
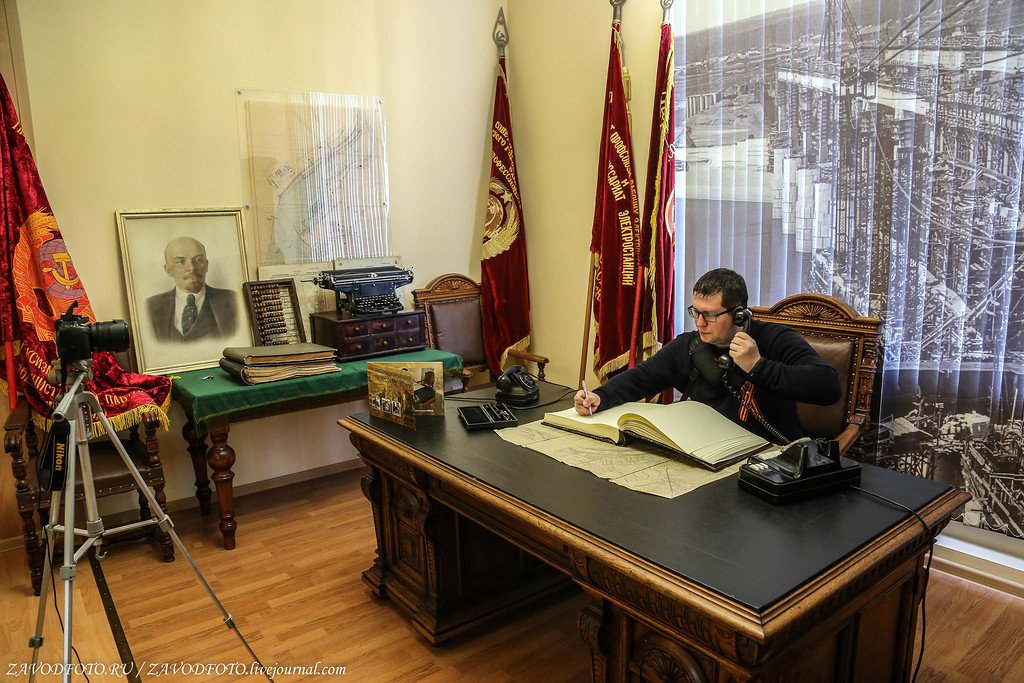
(718, 536)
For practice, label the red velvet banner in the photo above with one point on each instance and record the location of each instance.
(38, 282)
(658, 237)
(504, 287)
(616, 232)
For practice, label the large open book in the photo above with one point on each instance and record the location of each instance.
(689, 428)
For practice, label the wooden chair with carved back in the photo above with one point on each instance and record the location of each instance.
(110, 476)
(849, 343)
(451, 303)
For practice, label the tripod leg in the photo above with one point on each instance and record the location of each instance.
(165, 523)
(67, 570)
(93, 522)
(49, 535)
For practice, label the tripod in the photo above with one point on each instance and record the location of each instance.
(78, 408)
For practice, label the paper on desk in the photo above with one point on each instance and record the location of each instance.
(639, 467)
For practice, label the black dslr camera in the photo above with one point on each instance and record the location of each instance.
(77, 338)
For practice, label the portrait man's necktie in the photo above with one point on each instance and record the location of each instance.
(188, 314)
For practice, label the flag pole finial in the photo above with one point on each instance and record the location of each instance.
(500, 33)
(666, 7)
(617, 9)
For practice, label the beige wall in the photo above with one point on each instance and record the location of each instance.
(558, 67)
(133, 106)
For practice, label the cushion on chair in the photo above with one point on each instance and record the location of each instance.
(458, 328)
(829, 421)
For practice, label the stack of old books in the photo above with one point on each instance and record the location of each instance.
(259, 364)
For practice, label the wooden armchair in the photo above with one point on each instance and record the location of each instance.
(110, 476)
(849, 343)
(454, 324)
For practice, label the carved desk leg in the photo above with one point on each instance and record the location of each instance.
(591, 621)
(220, 458)
(371, 484)
(197, 449)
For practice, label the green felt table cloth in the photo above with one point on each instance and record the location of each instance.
(212, 397)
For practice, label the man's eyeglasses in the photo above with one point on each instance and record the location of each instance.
(708, 317)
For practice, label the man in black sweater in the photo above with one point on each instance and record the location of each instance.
(766, 371)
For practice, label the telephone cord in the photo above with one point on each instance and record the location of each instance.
(757, 415)
(927, 570)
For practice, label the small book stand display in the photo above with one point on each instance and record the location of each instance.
(274, 312)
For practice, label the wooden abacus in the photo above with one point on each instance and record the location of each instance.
(274, 312)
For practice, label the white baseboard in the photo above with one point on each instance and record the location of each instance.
(963, 570)
(12, 543)
(987, 558)
(190, 503)
(273, 483)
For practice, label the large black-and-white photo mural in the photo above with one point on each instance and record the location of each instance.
(872, 150)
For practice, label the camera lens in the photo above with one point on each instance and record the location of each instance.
(111, 335)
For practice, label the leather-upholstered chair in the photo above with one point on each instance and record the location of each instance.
(849, 343)
(455, 324)
(110, 476)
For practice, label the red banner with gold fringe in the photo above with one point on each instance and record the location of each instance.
(616, 231)
(656, 324)
(505, 285)
(38, 282)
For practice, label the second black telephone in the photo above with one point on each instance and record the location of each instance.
(516, 387)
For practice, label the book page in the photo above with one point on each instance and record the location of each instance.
(603, 425)
(687, 426)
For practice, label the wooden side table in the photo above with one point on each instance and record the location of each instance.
(213, 401)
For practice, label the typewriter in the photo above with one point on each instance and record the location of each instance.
(365, 291)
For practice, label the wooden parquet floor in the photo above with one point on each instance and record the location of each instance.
(294, 588)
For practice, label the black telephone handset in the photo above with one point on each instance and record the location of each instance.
(516, 387)
(741, 318)
(804, 468)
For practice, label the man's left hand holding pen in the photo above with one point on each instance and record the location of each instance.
(586, 402)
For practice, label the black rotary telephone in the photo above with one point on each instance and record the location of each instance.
(801, 469)
(741, 318)
(516, 387)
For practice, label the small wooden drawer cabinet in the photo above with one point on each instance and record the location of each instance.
(364, 337)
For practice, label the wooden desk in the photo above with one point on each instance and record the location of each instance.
(715, 585)
(213, 400)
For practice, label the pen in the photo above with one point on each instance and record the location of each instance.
(586, 395)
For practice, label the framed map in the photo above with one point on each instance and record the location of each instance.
(317, 175)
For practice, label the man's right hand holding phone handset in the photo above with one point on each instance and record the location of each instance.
(780, 365)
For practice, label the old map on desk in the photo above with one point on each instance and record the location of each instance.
(638, 466)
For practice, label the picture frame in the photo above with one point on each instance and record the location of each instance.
(167, 254)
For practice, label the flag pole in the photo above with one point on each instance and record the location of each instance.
(586, 318)
(616, 17)
(666, 16)
(500, 32)
(12, 388)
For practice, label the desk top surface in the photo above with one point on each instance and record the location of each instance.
(719, 536)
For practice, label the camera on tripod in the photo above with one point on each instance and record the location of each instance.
(77, 338)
